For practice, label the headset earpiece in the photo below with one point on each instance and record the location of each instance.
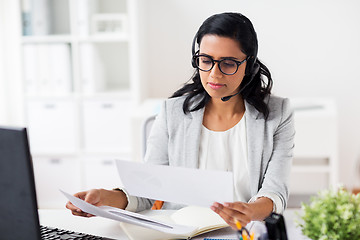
(193, 44)
(255, 69)
(193, 63)
(251, 66)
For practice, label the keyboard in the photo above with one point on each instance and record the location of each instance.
(51, 233)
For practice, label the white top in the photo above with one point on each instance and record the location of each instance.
(227, 151)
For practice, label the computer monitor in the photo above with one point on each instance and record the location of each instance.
(18, 206)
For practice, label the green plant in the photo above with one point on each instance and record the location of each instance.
(332, 214)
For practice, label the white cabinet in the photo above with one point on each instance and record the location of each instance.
(53, 126)
(316, 148)
(101, 172)
(80, 89)
(107, 125)
(54, 173)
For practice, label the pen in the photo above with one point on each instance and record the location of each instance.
(252, 236)
(238, 225)
(243, 232)
(240, 228)
(244, 236)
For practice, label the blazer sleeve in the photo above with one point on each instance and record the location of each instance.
(276, 177)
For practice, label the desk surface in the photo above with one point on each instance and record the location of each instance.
(62, 218)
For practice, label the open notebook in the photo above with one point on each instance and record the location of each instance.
(202, 220)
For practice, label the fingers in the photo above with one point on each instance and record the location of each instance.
(81, 195)
(232, 212)
(74, 210)
(92, 197)
(239, 211)
(227, 218)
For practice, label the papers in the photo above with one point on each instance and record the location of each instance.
(172, 184)
(128, 217)
(176, 184)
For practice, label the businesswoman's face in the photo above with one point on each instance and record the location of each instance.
(215, 81)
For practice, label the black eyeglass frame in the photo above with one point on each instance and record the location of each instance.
(238, 63)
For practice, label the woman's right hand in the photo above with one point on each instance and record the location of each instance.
(99, 197)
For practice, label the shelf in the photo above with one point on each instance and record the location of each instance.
(105, 38)
(54, 155)
(86, 155)
(311, 169)
(48, 39)
(68, 96)
(118, 94)
(107, 154)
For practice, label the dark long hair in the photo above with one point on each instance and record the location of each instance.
(239, 28)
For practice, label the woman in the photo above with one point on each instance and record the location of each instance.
(225, 119)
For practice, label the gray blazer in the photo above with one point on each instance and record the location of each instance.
(175, 139)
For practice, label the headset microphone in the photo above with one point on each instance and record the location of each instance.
(227, 98)
(256, 69)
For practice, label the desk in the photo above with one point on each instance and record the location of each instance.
(294, 232)
(62, 218)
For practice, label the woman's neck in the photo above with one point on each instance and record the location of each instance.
(221, 116)
(227, 109)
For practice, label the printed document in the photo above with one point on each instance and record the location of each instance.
(176, 184)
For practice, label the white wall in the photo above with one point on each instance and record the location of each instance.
(11, 88)
(311, 47)
(3, 97)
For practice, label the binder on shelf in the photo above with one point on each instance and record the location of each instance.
(109, 23)
(30, 68)
(91, 69)
(47, 69)
(60, 70)
(43, 66)
(26, 17)
(85, 9)
(40, 17)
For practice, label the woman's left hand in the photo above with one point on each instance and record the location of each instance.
(232, 212)
(243, 212)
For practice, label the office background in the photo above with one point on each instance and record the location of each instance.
(311, 47)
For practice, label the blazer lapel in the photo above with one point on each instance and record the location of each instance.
(255, 124)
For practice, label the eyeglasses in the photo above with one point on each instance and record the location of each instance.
(227, 66)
